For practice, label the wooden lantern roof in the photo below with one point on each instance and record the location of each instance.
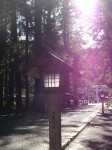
(48, 60)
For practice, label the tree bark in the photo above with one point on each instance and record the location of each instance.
(26, 59)
(16, 50)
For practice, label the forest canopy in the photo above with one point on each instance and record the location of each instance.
(70, 28)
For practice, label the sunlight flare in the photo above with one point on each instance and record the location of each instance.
(86, 7)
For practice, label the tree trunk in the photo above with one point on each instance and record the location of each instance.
(65, 25)
(18, 86)
(16, 50)
(38, 47)
(5, 85)
(11, 88)
(1, 55)
(38, 30)
(1, 93)
(26, 61)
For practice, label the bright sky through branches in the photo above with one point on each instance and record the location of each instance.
(86, 7)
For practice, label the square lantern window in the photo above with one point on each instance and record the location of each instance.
(51, 80)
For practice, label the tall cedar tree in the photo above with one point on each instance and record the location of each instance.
(14, 41)
(26, 53)
(37, 48)
(2, 42)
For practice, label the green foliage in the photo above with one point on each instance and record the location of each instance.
(95, 67)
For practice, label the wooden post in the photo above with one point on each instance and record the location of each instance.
(53, 102)
(54, 130)
(102, 105)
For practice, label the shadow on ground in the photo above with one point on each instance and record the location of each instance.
(99, 133)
